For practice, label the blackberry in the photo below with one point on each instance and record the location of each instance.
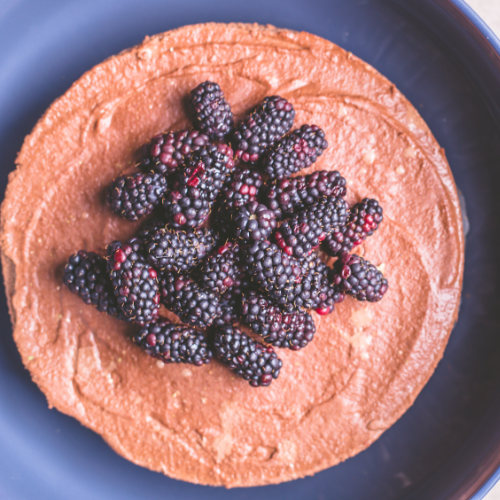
(134, 281)
(212, 113)
(268, 122)
(230, 308)
(193, 304)
(280, 328)
(220, 271)
(289, 195)
(274, 272)
(168, 151)
(174, 343)
(363, 221)
(254, 222)
(253, 361)
(85, 274)
(179, 251)
(296, 151)
(148, 228)
(188, 204)
(359, 278)
(304, 232)
(244, 187)
(134, 196)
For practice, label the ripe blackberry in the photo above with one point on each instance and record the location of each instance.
(174, 343)
(274, 272)
(363, 221)
(254, 222)
(179, 251)
(188, 204)
(280, 328)
(289, 195)
(193, 304)
(168, 151)
(304, 232)
(244, 187)
(268, 122)
(220, 271)
(134, 281)
(230, 304)
(85, 274)
(359, 278)
(296, 151)
(212, 113)
(134, 196)
(253, 361)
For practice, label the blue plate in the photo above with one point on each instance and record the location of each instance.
(447, 62)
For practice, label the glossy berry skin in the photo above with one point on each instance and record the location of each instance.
(280, 328)
(168, 249)
(205, 172)
(193, 304)
(220, 271)
(363, 221)
(304, 231)
(134, 282)
(251, 360)
(174, 343)
(167, 152)
(293, 194)
(253, 222)
(85, 275)
(359, 278)
(244, 187)
(212, 114)
(267, 123)
(297, 150)
(134, 196)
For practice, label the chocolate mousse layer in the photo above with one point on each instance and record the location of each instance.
(366, 364)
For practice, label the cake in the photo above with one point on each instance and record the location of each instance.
(366, 364)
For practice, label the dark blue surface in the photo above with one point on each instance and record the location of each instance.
(448, 443)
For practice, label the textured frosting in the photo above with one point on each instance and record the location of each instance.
(367, 363)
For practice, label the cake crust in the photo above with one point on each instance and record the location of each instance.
(366, 364)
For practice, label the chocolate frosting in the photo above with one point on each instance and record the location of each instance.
(367, 362)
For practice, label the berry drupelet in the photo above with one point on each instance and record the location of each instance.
(174, 343)
(304, 232)
(296, 151)
(193, 304)
(212, 113)
(267, 123)
(289, 195)
(85, 274)
(359, 278)
(168, 151)
(253, 361)
(134, 196)
(134, 281)
(180, 251)
(220, 271)
(363, 221)
(254, 222)
(188, 204)
(293, 330)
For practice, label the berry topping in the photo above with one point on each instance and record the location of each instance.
(359, 278)
(269, 121)
(363, 221)
(296, 151)
(212, 113)
(134, 196)
(135, 285)
(174, 343)
(249, 359)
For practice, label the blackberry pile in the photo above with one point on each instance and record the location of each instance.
(229, 242)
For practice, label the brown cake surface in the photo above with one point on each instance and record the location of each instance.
(367, 362)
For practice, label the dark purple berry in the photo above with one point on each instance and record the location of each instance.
(254, 222)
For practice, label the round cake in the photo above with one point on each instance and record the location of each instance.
(367, 362)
